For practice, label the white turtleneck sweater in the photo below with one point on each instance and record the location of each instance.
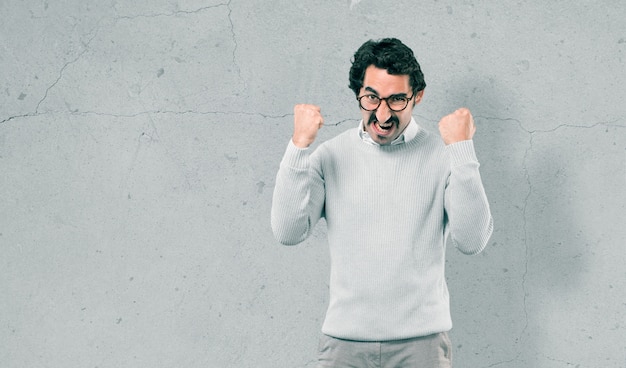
(388, 210)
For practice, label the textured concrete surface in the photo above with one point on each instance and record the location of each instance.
(139, 143)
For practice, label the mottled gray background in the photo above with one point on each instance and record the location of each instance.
(139, 141)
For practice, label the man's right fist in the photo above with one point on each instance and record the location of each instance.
(307, 121)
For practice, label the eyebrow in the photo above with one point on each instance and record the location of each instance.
(370, 89)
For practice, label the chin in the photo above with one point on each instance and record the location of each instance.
(384, 141)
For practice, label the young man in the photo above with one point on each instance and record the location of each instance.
(391, 194)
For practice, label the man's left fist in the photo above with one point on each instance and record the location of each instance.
(458, 126)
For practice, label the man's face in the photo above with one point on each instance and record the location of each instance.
(382, 124)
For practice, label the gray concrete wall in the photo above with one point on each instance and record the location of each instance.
(139, 141)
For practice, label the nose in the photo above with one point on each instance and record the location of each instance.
(383, 113)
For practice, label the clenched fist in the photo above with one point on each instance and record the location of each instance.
(307, 121)
(458, 126)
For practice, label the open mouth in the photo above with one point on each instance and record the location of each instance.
(385, 128)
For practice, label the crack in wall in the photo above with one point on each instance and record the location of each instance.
(562, 361)
(232, 31)
(58, 79)
(157, 112)
(525, 231)
(525, 212)
(529, 149)
(95, 32)
(336, 123)
(526, 247)
(45, 96)
(340, 122)
(15, 117)
(66, 65)
(503, 362)
(178, 12)
(185, 112)
(612, 123)
(171, 14)
(182, 112)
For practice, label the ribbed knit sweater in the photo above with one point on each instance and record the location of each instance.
(389, 210)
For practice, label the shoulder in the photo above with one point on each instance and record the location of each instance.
(340, 142)
(427, 140)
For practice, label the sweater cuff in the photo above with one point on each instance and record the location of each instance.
(461, 153)
(296, 157)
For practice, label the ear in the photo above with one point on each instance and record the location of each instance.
(418, 97)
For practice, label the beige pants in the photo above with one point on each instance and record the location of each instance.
(432, 351)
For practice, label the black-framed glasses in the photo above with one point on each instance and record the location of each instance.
(395, 102)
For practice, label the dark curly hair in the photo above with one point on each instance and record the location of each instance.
(390, 54)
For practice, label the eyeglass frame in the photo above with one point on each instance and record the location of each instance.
(386, 99)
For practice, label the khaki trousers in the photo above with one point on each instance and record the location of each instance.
(433, 351)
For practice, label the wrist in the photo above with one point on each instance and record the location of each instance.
(301, 143)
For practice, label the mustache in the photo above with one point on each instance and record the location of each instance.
(392, 119)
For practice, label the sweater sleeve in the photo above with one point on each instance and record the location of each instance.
(469, 217)
(298, 200)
